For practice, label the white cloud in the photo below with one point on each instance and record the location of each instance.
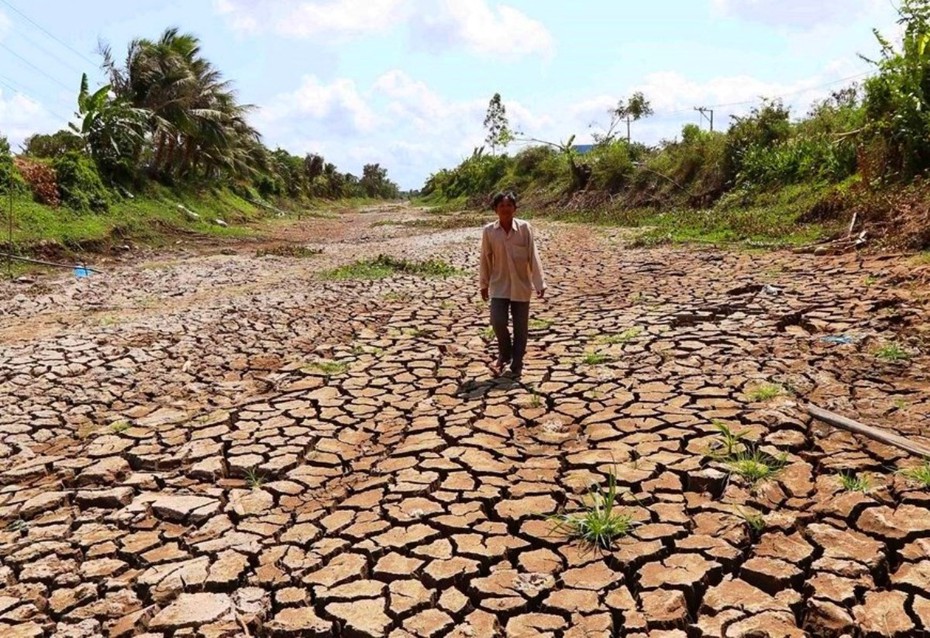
(800, 14)
(338, 107)
(482, 29)
(21, 116)
(476, 25)
(311, 19)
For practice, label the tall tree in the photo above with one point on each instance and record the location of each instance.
(626, 111)
(497, 125)
(197, 126)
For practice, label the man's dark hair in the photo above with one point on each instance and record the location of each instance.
(504, 196)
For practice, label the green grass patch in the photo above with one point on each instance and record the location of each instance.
(540, 324)
(754, 520)
(119, 426)
(765, 392)
(254, 479)
(853, 482)
(919, 474)
(624, 337)
(385, 266)
(598, 524)
(595, 358)
(299, 252)
(327, 368)
(892, 352)
(754, 465)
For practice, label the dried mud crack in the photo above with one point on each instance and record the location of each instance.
(236, 446)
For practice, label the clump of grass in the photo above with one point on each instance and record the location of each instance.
(384, 266)
(254, 479)
(359, 350)
(919, 474)
(540, 324)
(892, 352)
(594, 358)
(753, 519)
(744, 458)
(853, 482)
(754, 465)
(535, 400)
(765, 392)
(728, 442)
(119, 426)
(17, 525)
(301, 252)
(327, 368)
(624, 337)
(396, 296)
(488, 333)
(598, 525)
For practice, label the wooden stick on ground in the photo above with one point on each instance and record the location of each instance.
(872, 432)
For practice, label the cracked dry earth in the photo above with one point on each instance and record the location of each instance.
(175, 465)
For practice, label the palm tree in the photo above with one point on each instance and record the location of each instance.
(197, 126)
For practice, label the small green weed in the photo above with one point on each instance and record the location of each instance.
(728, 442)
(300, 252)
(120, 426)
(765, 392)
(919, 474)
(254, 479)
(754, 520)
(852, 482)
(624, 337)
(488, 333)
(755, 465)
(535, 400)
(327, 368)
(19, 525)
(892, 352)
(384, 266)
(598, 525)
(595, 358)
(540, 324)
(871, 280)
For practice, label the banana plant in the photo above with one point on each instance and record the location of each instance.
(113, 131)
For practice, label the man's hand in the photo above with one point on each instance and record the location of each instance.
(484, 294)
(541, 293)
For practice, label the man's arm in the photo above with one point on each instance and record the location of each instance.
(484, 270)
(536, 269)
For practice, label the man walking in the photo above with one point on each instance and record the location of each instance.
(510, 270)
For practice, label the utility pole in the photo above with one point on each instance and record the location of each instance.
(703, 110)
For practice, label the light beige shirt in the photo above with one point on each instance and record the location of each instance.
(510, 266)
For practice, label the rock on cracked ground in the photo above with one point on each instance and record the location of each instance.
(229, 445)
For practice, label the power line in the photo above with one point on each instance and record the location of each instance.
(48, 33)
(53, 56)
(39, 102)
(33, 66)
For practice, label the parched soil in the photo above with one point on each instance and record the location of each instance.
(221, 445)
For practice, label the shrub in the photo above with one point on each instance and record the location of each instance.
(80, 185)
(41, 180)
(9, 176)
(611, 166)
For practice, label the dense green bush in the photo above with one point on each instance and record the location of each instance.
(9, 176)
(80, 185)
(611, 166)
(897, 100)
(479, 174)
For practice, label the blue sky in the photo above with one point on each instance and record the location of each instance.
(406, 82)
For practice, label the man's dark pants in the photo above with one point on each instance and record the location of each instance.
(507, 350)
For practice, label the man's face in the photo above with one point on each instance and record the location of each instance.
(505, 210)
